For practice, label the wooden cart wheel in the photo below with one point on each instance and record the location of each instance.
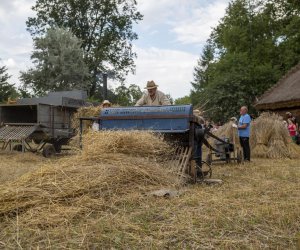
(37, 141)
(57, 147)
(48, 151)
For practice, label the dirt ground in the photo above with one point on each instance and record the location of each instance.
(256, 207)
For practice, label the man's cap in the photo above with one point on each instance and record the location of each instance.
(151, 85)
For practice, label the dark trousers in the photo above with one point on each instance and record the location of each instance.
(244, 141)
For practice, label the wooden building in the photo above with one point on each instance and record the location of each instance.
(284, 96)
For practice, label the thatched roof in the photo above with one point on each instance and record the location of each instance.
(284, 94)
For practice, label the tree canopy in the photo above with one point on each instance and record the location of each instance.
(127, 96)
(255, 43)
(59, 63)
(6, 89)
(104, 27)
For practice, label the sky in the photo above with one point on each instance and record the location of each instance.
(171, 37)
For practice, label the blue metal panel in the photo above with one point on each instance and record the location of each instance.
(173, 119)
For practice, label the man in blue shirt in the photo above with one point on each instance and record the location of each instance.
(244, 132)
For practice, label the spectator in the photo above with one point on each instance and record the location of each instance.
(244, 132)
(106, 104)
(292, 129)
(293, 118)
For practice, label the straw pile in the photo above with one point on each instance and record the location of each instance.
(91, 111)
(271, 139)
(110, 144)
(113, 169)
(261, 131)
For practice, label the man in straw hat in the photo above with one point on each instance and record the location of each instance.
(244, 131)
(153, 97)
(106, 104)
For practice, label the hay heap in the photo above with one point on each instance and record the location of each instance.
(261, 131)
(271, 139)
(113, 169)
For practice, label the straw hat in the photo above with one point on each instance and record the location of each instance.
(233, 119)
(106, 102)
(151, 85)
(197, 112)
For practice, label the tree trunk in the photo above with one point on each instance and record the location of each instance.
(93, 84)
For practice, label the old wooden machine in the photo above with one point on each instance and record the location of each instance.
(40, 124)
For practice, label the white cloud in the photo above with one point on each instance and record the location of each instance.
(190, 20)
(172, 70)
(155, 12)
(15, 42)
(197, 27)
(10, 63)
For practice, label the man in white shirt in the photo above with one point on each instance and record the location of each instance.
(153, 97)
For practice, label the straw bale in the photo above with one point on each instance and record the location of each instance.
(271, 138)
(261, 129)
(277, 149)
(260, 151)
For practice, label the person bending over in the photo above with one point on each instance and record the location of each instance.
(153, 97)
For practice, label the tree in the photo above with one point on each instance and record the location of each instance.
(255, 43)
(6, 89)
(135, 93)
(104, 27)
(127, 96)
(59, 63)
(183, 100)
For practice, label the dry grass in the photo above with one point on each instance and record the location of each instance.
(14, 164)
(89, 201)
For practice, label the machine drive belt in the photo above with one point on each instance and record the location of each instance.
(217, 138)
(206, 143)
